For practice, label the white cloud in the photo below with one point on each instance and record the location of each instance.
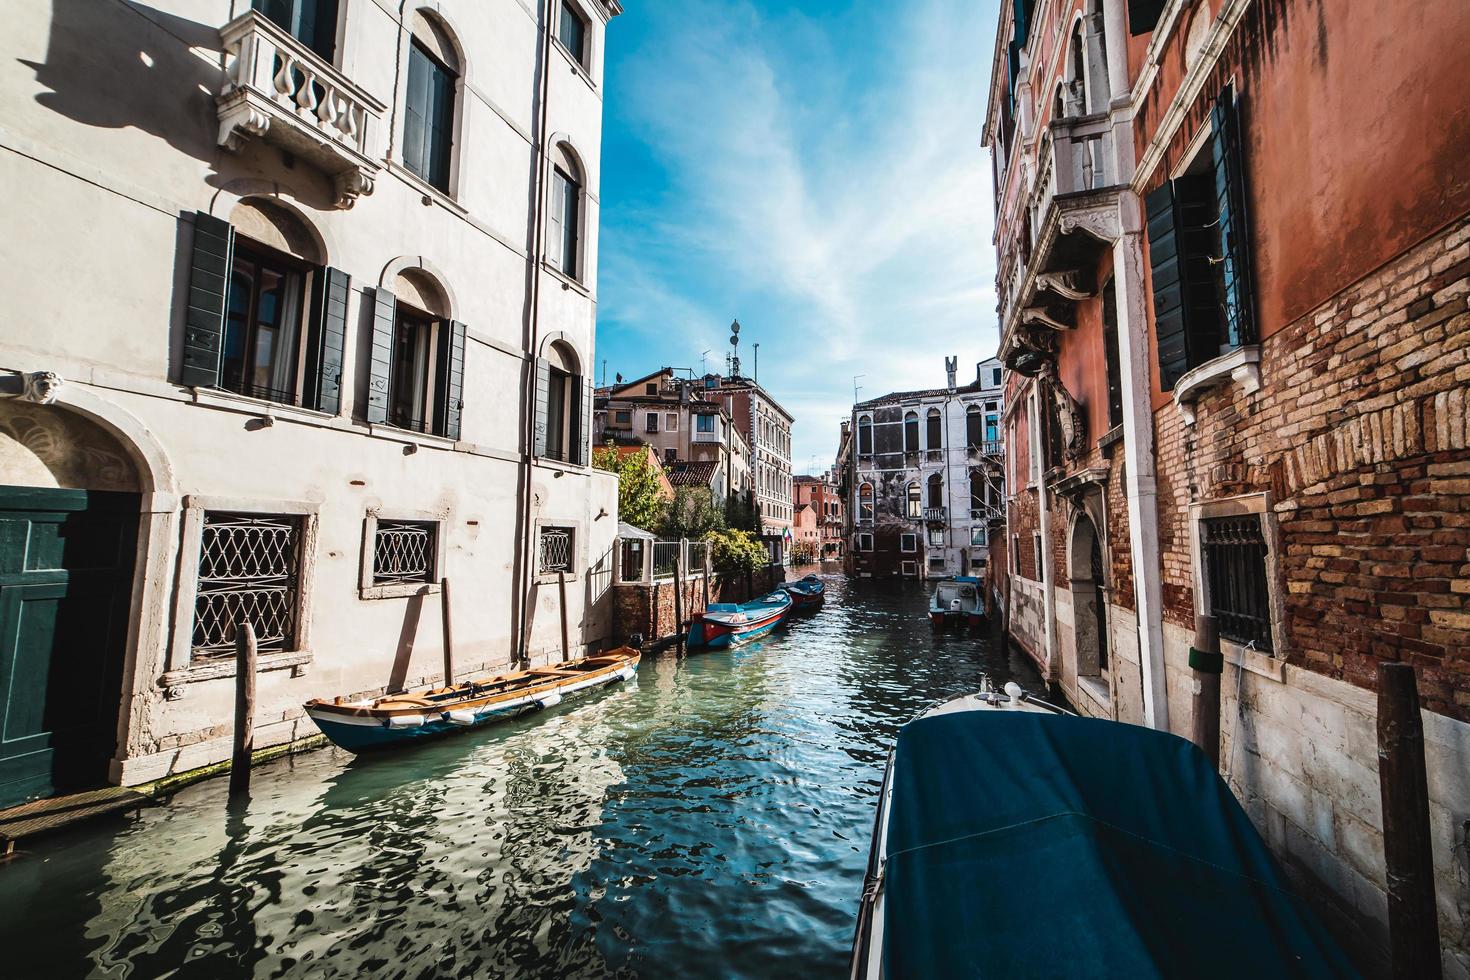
(829, 177)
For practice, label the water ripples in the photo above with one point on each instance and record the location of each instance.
(710, 819)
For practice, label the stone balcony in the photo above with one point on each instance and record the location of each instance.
(716, 437)
(1071, 215)
(279, 90)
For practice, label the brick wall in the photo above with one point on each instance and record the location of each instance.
(650, 609)
(1359, 432)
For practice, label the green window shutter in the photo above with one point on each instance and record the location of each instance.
(581, 422)
(326, 338)
(449, 379)
(1237, 300)
(543, 392)
(380, 359)
(1143, 15)
(204, 317)
(1168, 284)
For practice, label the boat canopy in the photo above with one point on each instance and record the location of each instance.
(1040, 845)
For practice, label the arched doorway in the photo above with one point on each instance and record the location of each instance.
(69, 518)
(1089, 601)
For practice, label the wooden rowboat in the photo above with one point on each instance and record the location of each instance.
(397, 719)
(725, 624)
(806, 593)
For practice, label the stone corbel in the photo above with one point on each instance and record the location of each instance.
(40, 387)
(1242, 366)
(1064, 284)
(1101, 222)
(350, 185)
(240, 121)
(1039, 315)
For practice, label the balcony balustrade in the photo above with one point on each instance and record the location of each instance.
(715, 437)
(281, 91)
(934, 515)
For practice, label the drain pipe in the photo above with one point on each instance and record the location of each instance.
(1048, 597)
(525, 536)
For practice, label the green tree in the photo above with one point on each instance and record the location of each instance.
(691, 514)
(640, 497)
(736, 552)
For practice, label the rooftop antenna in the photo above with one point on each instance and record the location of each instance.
(757, 362)
(735, 349)
(604, 372)
(856, 387)
(702, 370)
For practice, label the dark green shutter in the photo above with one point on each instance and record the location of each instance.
(325, 340)
(1022, 26)
(449, 379)
(1143, 15)
(204, 316)
(543, 392)
(1237, 295)
(581, 421)
(1168, 284)
(380, 359)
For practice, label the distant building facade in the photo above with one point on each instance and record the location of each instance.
(821, 513)
(767, 429)
(925, 476)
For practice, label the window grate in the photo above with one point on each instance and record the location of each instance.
(555, 550)
(249, 569)
(404, 551)
(1234, 555)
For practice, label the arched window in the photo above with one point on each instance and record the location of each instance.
(911, 432)
(974, 427)
(936, 430)
(563, 420)
(865, 438)
(865, 503)
(1076, 74)
(915, 502)
(936, 490)
(571, 31)
(424, 372)
(434, 70)
(564, 224)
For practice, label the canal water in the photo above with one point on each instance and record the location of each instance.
(710, 819)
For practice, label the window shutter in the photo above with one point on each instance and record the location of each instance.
(204, 317)
(1143, 15)
(555, 237)
(543, 393)
(1168, 284)
(416, 112)
(1237, 300)
(325, 341)
(577, 424)
(449, 378)
(380, 361)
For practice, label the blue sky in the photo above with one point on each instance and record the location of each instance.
(815, 170)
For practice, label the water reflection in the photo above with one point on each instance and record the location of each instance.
(712, 818)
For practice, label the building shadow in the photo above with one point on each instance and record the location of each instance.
(127, 65)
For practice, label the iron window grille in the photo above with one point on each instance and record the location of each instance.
(1234, 557)
(404, 551)
(249, 569)
(554, 550)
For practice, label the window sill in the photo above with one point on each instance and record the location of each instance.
(1255, 661)
(398, 590)
(387, 431)
(1096, 688)
(229, 400)
(558, 464)
(418, 183)
(552, 578)
(577, 67)
(173, 681)
(567, 282)
(1110, 438)
(1242, 365)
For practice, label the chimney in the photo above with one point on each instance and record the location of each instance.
(951, 365)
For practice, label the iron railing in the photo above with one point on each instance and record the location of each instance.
(665, 554)
(1234, 554)
(554, 550)
(934, 515)
(404, 551)
(249, 569)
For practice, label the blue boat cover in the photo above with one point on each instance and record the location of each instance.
(1023, 845)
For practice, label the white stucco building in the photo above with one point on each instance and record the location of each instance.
(925, 477)
(320, 279)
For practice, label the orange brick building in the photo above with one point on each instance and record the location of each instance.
(1233, 247)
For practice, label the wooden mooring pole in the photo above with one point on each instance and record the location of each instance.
(1413, 921)
(1207, 663)
(245, 656)
(448, 630)
(678, 605)
(561, 585)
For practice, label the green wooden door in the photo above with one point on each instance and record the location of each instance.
(66, 572)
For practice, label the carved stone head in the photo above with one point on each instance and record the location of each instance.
(42, 387)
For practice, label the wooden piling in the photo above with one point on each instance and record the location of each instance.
(245, 657)
(1413, 921)
(1207, 664)
(678, 605)
(561, 586)
(448, 630)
